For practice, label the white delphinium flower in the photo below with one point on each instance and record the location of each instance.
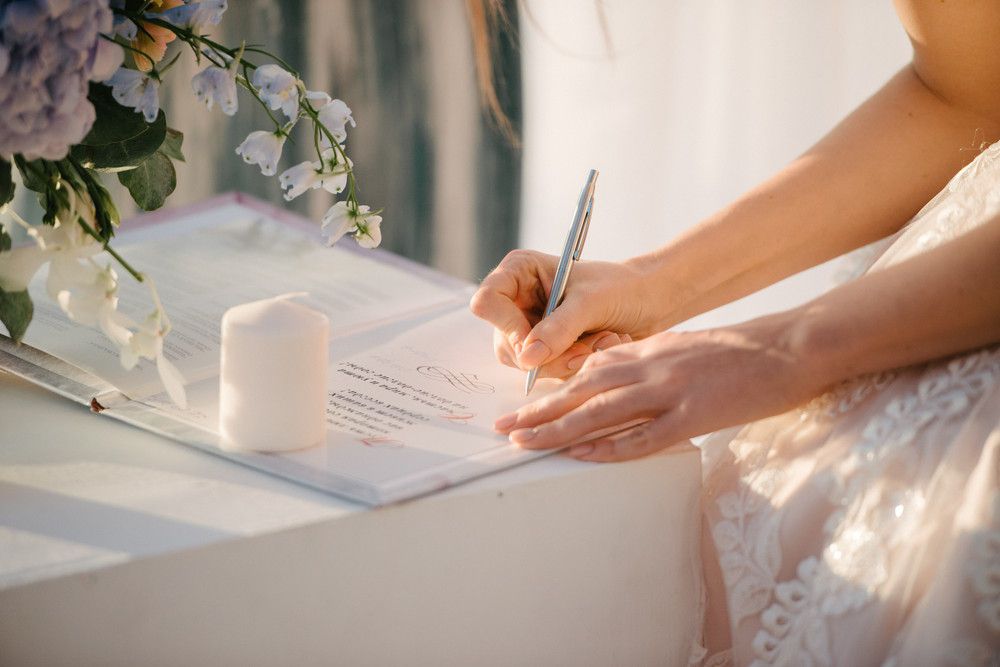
(132, 88)
(328, 174)
(64, 244)
(93, 301)
(147, 343)
(369, 228)
(343, 219)
(278, 88)
(195, 16)
(216, 84)
(334, 114)
(262, 148)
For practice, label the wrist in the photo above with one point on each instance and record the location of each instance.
(664, 288)
(824, 352)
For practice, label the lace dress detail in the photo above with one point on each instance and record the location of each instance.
(864, 527)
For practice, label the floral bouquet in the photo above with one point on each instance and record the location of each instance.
(79, 102)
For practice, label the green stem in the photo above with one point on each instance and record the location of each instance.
(244, 81)
(111, 251)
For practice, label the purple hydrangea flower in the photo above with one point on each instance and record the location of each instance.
(49, 50)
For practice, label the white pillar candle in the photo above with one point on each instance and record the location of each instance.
(272, 382)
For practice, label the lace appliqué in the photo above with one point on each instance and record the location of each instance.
(747, 539)
(984, 571)
(875, 510)
(847, 395)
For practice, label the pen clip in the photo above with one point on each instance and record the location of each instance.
(584, 228)
(586, 196)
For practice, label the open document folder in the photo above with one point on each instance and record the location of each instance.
(413, 384)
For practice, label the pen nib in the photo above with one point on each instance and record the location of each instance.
(529, 381)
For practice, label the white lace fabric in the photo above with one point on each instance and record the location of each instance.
(864, 528)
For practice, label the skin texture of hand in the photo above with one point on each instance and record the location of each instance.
(679, 384)
(605, 304)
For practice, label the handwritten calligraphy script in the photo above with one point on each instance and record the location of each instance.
(467, 382)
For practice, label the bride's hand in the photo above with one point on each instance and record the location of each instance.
(605, 304)
(680, 384)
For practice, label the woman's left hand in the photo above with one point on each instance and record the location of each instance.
(680, 384)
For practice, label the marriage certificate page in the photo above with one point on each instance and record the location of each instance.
(410, 409)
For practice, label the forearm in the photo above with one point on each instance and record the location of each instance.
(863, 181)
(938, 303)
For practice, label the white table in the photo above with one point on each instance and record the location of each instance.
(118, 547)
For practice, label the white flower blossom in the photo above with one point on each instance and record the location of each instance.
(304, 176)
(63, 244)
(338, 221)
(93, 301)
(335, 116)
(262, 148)
(195, 16)
(369, 233)
(139, 91)
(215, 84)
(342, 219)
(147, 343)
(278, 88)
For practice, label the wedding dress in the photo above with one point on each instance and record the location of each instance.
(864, 527)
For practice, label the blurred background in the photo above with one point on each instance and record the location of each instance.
(681, 104)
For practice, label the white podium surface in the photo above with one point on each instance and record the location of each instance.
(119, 547)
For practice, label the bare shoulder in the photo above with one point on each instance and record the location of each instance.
(956, 50)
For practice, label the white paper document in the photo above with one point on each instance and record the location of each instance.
(414, 387)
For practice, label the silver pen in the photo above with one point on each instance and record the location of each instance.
(570, 255)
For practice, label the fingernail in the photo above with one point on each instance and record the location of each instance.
(523, 435)
(505, 422)
(517, 348)
(606, 341)
(534, 354)
(577, 361)
(627, 338)
(581, 450)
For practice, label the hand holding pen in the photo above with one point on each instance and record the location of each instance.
(606, 304)
(572, 250)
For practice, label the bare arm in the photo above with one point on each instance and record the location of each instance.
(862, 181)
(937, 303)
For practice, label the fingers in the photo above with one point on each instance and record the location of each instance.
(572, 395)
(505, 354)
(605, 410)
(553, 335)
(570, 361)
(495, 302)
(638, 441)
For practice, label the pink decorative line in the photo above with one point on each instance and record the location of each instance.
(459, 418)
(381, 441)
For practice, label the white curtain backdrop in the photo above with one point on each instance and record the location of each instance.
(683, 105)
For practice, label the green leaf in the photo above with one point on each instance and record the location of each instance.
(151, 182)
(172, 145)
(37, 175)
(6, 182)
(120, 137)
(16, 310)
